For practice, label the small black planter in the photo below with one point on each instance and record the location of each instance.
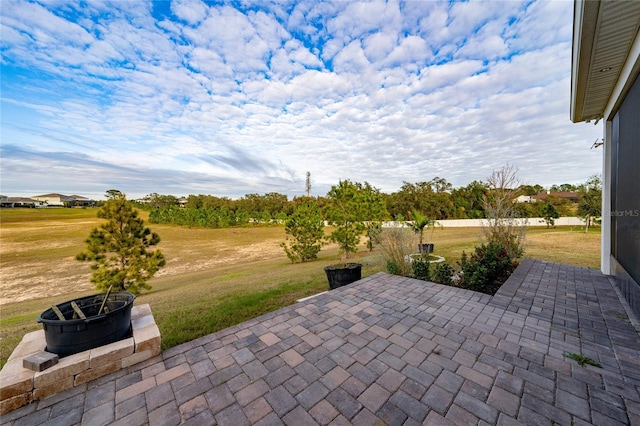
(76, 335)
(343, 274)
(426, 248)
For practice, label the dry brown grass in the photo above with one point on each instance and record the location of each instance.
(571, 246)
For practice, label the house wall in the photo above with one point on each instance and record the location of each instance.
(51, 201)
(624, 196)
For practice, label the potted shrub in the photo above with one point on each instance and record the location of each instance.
(418, 224)
(349, 203)
(122, 259)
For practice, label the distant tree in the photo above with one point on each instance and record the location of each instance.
(433, 198)
(531, 189)
(565, 187)
(159, 201)
(440, 184)
(119, 248)
(256, 205)
(306, 228)
(550, 214)
(469, 200)
(590, 200)
(308, 184)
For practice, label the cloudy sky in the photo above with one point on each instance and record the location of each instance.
(229, 98)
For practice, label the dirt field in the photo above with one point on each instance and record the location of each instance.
(37, 255)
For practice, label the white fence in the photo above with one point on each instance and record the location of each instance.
(471, 223)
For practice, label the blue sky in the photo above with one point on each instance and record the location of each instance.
(230, 98)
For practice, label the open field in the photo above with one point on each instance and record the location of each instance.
(214, 278)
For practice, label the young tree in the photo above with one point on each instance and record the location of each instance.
(374, 212)
(346, 210)
(503, 224)
(306, 227)
(590, 200)
(550, 214)
(119, 248)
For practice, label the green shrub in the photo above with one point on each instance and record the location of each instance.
(392, 267)
(442, 273)
(421, 269)
(487, 268)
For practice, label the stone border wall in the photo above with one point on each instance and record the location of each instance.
(20, 386)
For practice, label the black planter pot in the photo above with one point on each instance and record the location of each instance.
(426, 248)
(76, 335)
(343, 274)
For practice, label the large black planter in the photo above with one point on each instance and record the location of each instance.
(426, 248)
(343, 274)
(76, 335)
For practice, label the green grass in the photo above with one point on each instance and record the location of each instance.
(214, 278)
(583, 360)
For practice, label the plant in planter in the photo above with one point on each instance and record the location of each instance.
(122, 260)
(418, 224)
(349, 205)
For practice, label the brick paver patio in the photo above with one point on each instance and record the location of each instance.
(389, 350)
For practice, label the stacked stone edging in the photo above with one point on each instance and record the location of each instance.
(19, 386)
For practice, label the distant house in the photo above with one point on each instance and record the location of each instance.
(20, 202)
(80, 201)
(60, 200)
(53, 200)
(524, 199)
(567, 195)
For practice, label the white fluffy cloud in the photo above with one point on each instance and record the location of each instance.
(186, 97)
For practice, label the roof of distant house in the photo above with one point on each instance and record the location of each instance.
(63, 197)
(21, 200)
(50, 195)
(561, 194)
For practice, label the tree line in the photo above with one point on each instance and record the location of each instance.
(437, 199)
(122, 254)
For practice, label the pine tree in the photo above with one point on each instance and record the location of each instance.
(306, 228)
(550, 214)
(119, 248)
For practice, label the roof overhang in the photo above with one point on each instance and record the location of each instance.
(605, 57)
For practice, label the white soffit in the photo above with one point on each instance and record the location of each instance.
(603, 34)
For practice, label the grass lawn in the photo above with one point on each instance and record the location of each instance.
(214, 278)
